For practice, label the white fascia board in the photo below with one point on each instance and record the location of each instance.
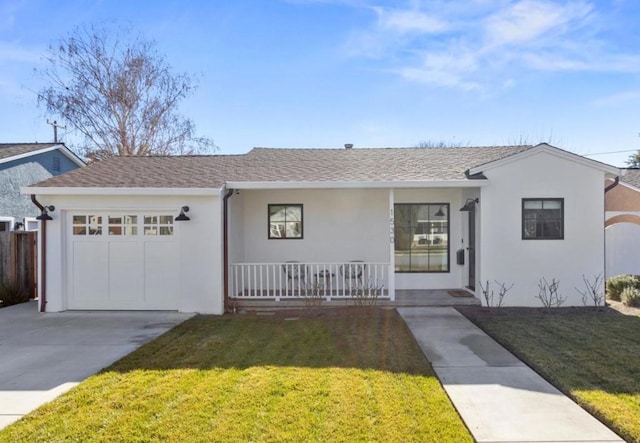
(628, 185)
(118, 191)
(357, 185)
(549, 150)
(67, 153)
(71, 156)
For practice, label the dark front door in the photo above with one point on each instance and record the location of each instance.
(471, 248)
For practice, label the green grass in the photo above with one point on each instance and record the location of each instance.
(592, 356)
(356, 375)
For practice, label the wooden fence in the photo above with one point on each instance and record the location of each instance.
(18, 258)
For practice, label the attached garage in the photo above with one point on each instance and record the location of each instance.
(123, 260)
(113, 241)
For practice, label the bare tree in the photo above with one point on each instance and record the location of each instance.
(525, 138)
(440, 144)
(121, 95)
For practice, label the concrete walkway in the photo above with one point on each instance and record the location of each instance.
(45, 355)
(499, 398)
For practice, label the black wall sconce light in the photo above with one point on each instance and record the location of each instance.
(470, 204)
(44, 214)
(182, 216)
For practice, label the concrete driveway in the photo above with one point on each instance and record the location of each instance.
(44, 355)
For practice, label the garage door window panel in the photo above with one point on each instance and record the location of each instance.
(123, 225)
(158, 225)
(87, 225)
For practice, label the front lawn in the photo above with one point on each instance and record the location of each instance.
(592, 356)
(338, 375)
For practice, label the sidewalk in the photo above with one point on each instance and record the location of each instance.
(499, 398)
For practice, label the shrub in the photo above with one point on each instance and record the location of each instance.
(549, 295)
(12, 293)
(617, 284)
(630, 296)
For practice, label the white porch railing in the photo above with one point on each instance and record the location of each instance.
(275, 281)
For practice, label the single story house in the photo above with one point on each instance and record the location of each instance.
(622, 224)
(22, 164)
(188, 233)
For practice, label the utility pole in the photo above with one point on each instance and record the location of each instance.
(55, 129)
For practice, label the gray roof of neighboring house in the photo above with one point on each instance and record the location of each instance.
(284, 165)
(8, 150)
(631, 176)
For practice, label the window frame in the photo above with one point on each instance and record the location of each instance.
(542, 199)
(448, 252)
(286, 205)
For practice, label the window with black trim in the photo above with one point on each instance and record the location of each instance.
(421, 237)
(285, 221)
(542, 218)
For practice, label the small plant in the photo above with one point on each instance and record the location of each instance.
(366, 294)
(312, 295)
(489, 296)
(548, 294)
(630, 296)
(615, 285)
(593, 291)
(12, 293)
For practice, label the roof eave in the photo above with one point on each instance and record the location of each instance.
(46, 190)
(63, 149)
(354, 184)
(544, 147)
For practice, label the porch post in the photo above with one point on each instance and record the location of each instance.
(392, 255)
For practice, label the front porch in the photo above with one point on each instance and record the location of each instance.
(295, 280)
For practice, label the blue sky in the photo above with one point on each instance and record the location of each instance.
(321, 73)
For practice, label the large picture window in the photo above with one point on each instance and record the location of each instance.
(421, 237)
(542, 218)
(285, 221)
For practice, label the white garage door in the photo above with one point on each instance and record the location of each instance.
(122, 260)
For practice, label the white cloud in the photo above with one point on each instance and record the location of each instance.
(549, 61)
(445, 69)
(487, 43)
(409, 21)
(529, 20)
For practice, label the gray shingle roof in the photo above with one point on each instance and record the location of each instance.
(284, 165)
(631, 176)
(8, 150)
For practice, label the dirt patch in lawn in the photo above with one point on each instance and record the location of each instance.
(314, 312)
(623, 309)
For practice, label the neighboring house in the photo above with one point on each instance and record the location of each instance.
(22, 164)
(381, 220)
(622, 224)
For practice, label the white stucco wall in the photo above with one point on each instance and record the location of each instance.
(509, 259)
(339, 226)
(200, 245)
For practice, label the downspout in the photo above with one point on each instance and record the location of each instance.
(612, 185)
(225, 246)
(43, 257)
